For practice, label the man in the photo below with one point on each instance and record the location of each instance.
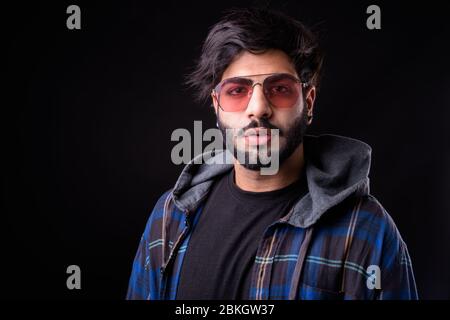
(309, 231)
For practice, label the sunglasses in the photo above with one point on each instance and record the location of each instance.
(282, 90)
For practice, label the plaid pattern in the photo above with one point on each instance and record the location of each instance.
(329, 260)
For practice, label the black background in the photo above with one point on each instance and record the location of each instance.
(87, 117)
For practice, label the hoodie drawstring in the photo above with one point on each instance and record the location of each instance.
(299, 265)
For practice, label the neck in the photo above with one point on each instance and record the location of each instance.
(289, 172)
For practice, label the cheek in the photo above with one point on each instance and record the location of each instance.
(286, 118)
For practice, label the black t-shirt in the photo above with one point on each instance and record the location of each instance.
(222, 249)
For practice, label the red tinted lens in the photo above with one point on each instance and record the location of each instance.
(282, 91)
(234, 94)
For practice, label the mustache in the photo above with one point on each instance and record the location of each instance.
(261, 123)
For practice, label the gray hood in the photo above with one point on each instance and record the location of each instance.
(336, 167)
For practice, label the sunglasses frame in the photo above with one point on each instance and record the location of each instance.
(217, 88)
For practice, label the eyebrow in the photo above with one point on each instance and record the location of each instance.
(260, 74)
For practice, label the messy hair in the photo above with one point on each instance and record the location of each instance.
(256, 31)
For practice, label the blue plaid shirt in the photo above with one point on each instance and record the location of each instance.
(341, 249)
(337, 242)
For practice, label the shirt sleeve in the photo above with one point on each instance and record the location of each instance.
(145, 274)
(397, 278)
(138, 287)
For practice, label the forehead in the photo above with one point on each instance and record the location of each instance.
(271, 61)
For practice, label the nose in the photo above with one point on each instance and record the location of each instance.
(258, 106)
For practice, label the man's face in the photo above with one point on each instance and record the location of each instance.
(291, 122)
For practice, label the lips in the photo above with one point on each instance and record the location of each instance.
(260, 132)
(257, 136)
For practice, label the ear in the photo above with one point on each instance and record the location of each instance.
(310, 98)
(215, 103)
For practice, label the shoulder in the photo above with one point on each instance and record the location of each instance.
(364, 211)
(161, 202)
(375, 232)
(154, 221)
(373, 215)
(366, 224)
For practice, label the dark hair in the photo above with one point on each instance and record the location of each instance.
(254, 30)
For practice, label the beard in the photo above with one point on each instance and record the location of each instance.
(293, 138)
